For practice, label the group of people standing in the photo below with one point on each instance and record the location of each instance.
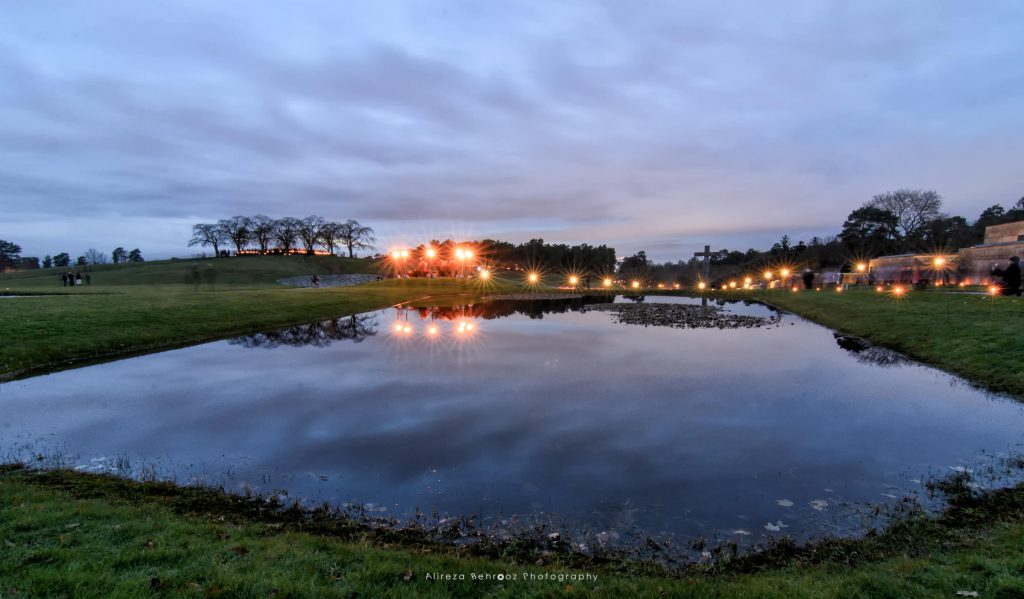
(70, 279)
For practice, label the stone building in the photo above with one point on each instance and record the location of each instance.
(1001, 242)
(971, 266)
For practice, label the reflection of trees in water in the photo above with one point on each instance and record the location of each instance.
(501, 308)
(318, 334)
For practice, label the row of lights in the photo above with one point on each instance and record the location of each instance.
(404, 328)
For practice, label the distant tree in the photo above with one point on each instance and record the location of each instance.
(62, 260)
(355, 236)
(286, 230)
(94, 256)
(871, 231)
(9, 252)
(913, 208)
(118, 256)
(261, 230)
(330, 234)
(135, 256)
(309, 232)
(47, 261)
(236, 229)
(636, 266)
(208, 234)
(28, 263)
(948, 233)
(81, 261)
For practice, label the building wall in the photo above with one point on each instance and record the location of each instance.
(976, 263)
(1007, 233)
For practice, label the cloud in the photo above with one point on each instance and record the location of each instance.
(658, 127)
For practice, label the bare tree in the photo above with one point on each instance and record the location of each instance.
(94, 256)
(355, 236)
(330, 233)
(286, 230)
(914, 208)
(261, 230)
(237, 230)
(309, 232)
(208, 234)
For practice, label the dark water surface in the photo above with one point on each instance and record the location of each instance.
(607, 426)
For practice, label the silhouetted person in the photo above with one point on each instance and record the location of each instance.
(808, 280)
(78, 278)
(63, 279)
(314, 281)
(1010, 276)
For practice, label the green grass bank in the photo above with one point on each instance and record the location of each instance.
(68, 534)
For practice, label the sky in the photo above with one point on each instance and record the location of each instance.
(648, 125)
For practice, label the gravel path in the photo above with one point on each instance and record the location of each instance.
(329, 280)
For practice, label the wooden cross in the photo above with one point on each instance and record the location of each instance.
(706, 254)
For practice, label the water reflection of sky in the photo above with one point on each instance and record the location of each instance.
(610, 426)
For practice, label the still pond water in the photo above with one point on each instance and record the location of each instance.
(531, 410)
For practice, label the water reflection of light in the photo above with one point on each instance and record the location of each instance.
(432, 331)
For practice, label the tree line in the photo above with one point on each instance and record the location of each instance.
(267, 235)
(534, 254)
(894, 222)
(11, 258)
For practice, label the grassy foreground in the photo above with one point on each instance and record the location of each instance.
(68, 534)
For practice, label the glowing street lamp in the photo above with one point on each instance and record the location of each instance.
(606, 282)
(533, 278)
(431, 254)
(485, 274)
(732, 284)
(574, 281)
(898, 291)
(635, 284)
(702, 285)
(861, 267)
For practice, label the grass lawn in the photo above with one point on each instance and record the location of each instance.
(68, 534)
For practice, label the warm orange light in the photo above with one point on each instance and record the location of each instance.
(405, 253)
(461, 255)
(470, 326)
(635, 284)
(839, 288)
(748, 281)
(574, 280)
(732, 284)
(879, 289)
(940, 261)
(469, 254)
(431, 252)
(407, 329)
(675, 285)
(768, 275)
(661, 285)
(533, 277)
(485, 274)
(897, 290)
(432, 331)
(398, 327)
(784, 272)
(396, 255)
(702, 285)
(993, 290)
(795, 289)
(607, 282)
(861, 267)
